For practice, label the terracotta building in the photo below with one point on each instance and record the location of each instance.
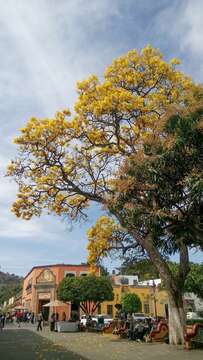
(40, 287)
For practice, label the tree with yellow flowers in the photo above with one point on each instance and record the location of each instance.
(109, 152)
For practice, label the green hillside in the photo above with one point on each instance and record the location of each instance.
(10, 285)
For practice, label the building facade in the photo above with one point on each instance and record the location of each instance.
(193, 303)
(41, 283)
(154, 300)
(40, 287)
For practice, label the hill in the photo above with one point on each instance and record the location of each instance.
(10, 285)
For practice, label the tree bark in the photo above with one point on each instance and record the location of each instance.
(173, 288)
(176, 319)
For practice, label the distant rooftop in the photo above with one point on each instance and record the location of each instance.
(54, 265)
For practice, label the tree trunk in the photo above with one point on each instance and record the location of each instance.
(176, 319)
(173, 288)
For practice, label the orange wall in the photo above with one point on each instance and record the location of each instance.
(59, 272)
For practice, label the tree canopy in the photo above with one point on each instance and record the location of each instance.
(194, 280)
(86, 291)
(131, 303)
(64, 164)
(144, 269)
(131, 146)
(161, 208)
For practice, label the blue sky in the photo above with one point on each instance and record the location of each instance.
(46, 46)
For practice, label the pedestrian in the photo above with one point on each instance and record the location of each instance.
(52, 322)
(64, 316)
(39, 321)
(57, 317)
(130, 322)
(3, 318)
(28, 317)
(18, 318)
(32, 318)
(1, 323)
(139, 336)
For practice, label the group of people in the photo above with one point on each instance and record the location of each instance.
(20, 317)
(140, 329)
(53, 320)
(25, 317)
(17, 317)
(135, 329)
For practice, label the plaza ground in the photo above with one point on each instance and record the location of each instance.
(23, 344)
(27, 344)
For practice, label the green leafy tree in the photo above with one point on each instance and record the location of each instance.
(6, 292)
(144, 269)
(194, 280)
(104, 271)
(161, 210)
(131, 303)
(86, 291)
(116, 151)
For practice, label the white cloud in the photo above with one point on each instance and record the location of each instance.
(48, 43)
(192, 20)
(13, 228)
(46, 46)
(179, 28)
(43, 55)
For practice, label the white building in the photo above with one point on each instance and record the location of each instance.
(193, 302)
(150, 282)
(125, 279)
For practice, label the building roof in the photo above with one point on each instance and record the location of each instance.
(54, 265)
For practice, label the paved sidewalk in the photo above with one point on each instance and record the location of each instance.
(110, 347)
(23, 344)
(83, 346)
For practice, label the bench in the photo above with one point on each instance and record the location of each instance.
(120, 328)
(194, 336)
(108, 329)
(160, 334)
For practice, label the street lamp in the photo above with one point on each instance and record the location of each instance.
(154, 298)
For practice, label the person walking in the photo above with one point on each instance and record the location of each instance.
(39, 321)
(3, 319)
(1, 323)
(32, 318)
(18, 318)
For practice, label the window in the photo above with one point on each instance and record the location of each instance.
(99, 309)
(124, 281)
(69, 274)
(109, 309)
(117, 297)
(146, 308)
(83, 274)
(135, 282)
(29, 285)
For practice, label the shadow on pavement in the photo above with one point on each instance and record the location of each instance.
(26, 345)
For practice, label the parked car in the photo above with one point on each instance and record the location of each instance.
(192, 315)
(139, 316)
(83, 319)
(107, 318)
